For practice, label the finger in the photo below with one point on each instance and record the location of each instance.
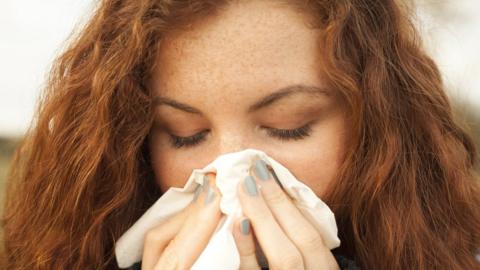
(302, 233)
(246, 246)
(194, 235)
(157, 238)
(281, 253)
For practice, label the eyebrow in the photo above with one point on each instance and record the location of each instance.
(262, 103)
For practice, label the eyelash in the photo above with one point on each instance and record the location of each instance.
(281, 134)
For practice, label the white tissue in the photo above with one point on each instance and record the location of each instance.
(221, 252)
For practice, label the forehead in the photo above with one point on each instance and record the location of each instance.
(249, 45)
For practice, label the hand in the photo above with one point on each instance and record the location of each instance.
(177, 243)
(286, 237)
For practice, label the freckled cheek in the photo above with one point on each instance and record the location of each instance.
(321, 171)
(325, 158)
(314, 170)
(314, 163)
(171, 170)
(170, 166)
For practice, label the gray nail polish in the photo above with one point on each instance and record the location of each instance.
(250, 185)
(206, 182)
(261, 170)
(245, 226)
(198, 190)
(210, 195)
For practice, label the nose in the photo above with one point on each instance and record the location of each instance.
(233, 140)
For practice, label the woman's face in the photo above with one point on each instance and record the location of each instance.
(232, 82)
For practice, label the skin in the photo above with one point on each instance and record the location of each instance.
(221, 67)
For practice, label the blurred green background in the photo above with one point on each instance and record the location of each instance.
(7, 147)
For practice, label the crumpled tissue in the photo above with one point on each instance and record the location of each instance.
(221, 252)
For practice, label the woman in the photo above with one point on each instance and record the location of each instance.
(339, 92)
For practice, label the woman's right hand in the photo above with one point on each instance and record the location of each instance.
(177, 243)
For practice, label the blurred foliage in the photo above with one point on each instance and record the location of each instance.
(7, 148)
(469, 117)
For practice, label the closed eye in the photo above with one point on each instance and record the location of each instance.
(291, 134)
(281, 134)
(179, 142)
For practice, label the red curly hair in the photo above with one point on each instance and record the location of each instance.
(407, 196)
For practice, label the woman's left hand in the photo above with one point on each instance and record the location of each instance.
(286, 237)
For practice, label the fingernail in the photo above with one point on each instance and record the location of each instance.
(198, 190)
(261, 170)
(206, 183)
(250, 185)
(210, 195)
(245, 226)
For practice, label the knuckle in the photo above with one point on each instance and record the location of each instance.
(312, 242)
(201, 217)
(205, 217)
(290, 262)
(249, 253)
(275, 197)
(168, 259)
(259, 214)
(152, 236)
(307, 239)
